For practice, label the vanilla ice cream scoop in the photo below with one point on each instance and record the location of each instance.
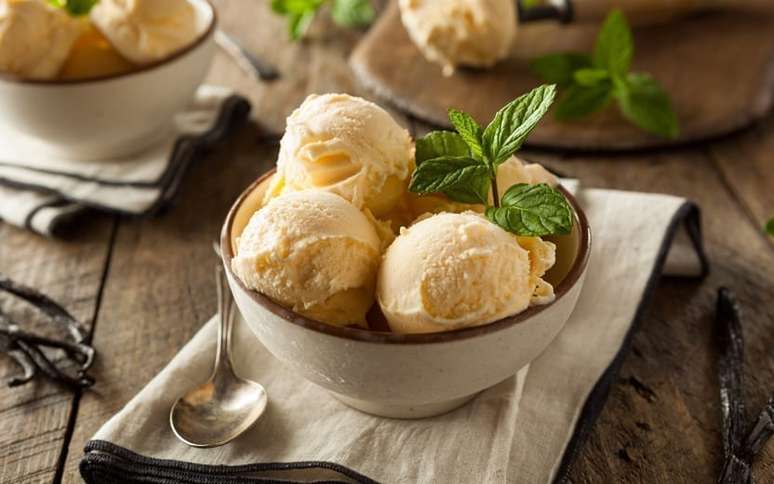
(35, 38)
(460, 32)
(313, 252)
(145, 31)
(348, 146)
(451, 271)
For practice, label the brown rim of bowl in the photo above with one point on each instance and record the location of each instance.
(12, 78)
(561, 290)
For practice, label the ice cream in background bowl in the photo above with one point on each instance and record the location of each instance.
(102, 85)
(452, 33)
(416, 374)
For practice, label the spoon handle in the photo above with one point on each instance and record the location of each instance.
(226, 318)
(248, 62)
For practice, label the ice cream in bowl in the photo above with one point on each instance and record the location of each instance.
(99, 79)
(383, 270)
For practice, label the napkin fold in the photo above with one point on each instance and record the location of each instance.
(525, 429)
(42, 193)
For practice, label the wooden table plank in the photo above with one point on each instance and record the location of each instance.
(747, 164)
(34, 417)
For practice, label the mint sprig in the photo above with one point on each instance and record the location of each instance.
(74, 7)
(532, 210)
(590, 82)
(300, 13)
(769, 228)
(462, 165)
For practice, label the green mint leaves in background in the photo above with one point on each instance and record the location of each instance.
(300, 13)
(590, 82)
(462, 165)
(769, 228)
(74, 7)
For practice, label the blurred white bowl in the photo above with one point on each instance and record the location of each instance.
(109, 116)
(407, 375)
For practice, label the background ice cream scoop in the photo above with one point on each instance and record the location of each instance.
(461, 32)
(451, 271)
(348, 146)
(35, 38)
(145, 31)
(313, 252)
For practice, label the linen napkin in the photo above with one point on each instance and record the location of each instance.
(41, 192)
(525, 429)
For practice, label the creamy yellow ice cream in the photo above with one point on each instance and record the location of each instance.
(35, 38)
(145, 31)
(452, 270)
(347, 146)
(313, 252)
(92, 55)
(460, 32)
(514, 171)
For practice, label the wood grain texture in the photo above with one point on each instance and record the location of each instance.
(718, 69)
(34, 417)
(747, 164)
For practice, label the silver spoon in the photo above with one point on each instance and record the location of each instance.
(219, 410)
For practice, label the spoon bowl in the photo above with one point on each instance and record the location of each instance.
(219, 410)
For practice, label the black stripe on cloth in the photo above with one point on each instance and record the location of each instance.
(106, 462)
(56, 202)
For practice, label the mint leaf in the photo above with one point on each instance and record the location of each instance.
(770, 227)
(440, 144)
(469, 130)
(614, 47)
(513, 123)
(74, 7)
(533, 211)
(645, 103)
(298, 23)
(579, 101)
(353, 13)
(298, 7)
(462, 179)
(590, 77)
(559, 68)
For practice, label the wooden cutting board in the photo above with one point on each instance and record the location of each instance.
(717, 67)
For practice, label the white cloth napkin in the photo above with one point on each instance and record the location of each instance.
(525, 429)
(41, 192)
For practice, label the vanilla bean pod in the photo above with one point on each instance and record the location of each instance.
(51, 308)
(739, 447)
(26, 348)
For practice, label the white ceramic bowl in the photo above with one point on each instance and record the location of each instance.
(407, 375)
(109, 116)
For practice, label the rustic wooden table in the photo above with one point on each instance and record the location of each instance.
(145, 286)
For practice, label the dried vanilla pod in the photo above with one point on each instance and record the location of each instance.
(27, 348)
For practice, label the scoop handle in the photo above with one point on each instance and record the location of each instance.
(640, 12)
